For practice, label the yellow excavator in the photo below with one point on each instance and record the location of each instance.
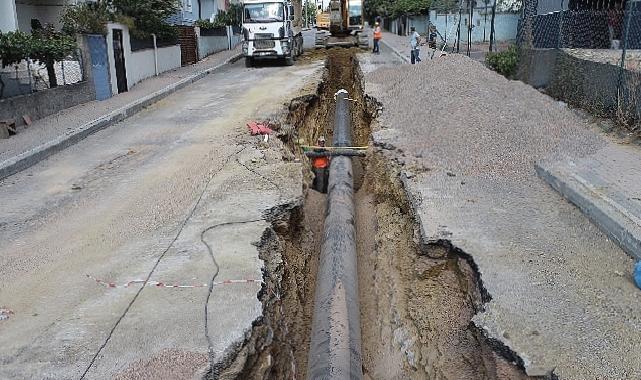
(346, 25)
(322, 20)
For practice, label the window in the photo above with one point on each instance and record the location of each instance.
(355, 12)
(187, 5)
(264, 12)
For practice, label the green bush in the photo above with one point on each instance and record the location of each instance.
(49, 45)
(505, 62)
(14, 47)
(142, 17)
(232, 16)
(204, 24)
(87, 18)
(149, 16)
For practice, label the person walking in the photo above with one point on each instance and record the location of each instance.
(378, 35)
(415, 40)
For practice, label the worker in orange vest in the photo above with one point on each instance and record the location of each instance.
(320, 167)
(378, 35)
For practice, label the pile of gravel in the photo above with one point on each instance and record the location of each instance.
(454, 113)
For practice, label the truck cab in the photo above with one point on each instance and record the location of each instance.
(272, 30)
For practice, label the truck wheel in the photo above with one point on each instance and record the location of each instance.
(249, 62)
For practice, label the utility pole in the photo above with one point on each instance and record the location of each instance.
(458, 28)
(469, 27)
(492, 27)
(485, 20)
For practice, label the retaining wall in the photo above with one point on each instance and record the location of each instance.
(44, 103)
(212, 41)
(53, 100)
(208, 45)
(592, 86)
(141, 64)
(235, 40)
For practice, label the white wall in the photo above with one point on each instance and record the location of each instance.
(47, 14)
(139, 64)
(208, 45)
(110, 53)
(8, 19)
(25, 14)
(168, 58)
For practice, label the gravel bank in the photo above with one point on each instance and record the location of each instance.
(467, 140)
(479, 123)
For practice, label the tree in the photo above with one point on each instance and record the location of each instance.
(511, 6)
(232, 16)
(396, 8)
(44, 45)
(446, 6)
(309, 12)
(410, 7)
(14, 47)
(87, 18)
(49, 46)
(148, 16)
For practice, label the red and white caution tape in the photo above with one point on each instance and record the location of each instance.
(159, 284)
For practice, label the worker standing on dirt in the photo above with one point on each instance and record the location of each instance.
(415, 40)
(378, 35)
(320, 167)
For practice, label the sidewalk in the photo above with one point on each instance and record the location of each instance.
(53, 133)
(400, 46)
(606, 186)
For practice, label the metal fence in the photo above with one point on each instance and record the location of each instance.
(599, 61)
(30, 76)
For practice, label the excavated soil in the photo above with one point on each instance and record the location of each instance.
(419, 302)
(416, 305)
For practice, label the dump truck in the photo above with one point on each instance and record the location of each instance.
(346, 25)
(272, 30)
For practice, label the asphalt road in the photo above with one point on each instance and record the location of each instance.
(131, 203)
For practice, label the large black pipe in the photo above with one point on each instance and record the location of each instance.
(335, 348)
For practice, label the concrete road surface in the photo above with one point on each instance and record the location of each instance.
(132, 203)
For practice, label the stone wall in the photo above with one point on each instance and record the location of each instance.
(48, 102)
(53, 100)
(602, 89)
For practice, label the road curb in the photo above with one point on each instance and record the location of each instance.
(398, 53)
(618, 226)
(31, 157)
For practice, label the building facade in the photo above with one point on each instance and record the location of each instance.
(19, 14)
(193, 10)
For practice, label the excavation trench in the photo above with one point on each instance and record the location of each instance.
(416, 302)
